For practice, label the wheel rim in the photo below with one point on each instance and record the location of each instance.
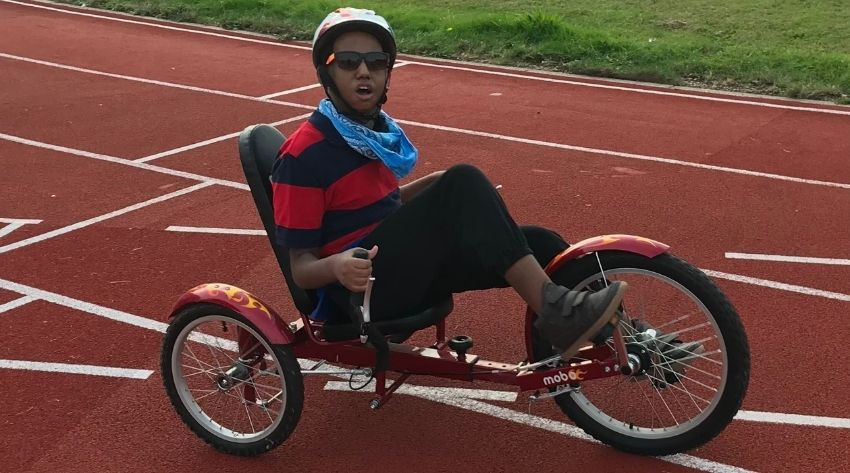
(214, 381)
(647, 406)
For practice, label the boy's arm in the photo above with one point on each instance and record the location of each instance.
(409, 190)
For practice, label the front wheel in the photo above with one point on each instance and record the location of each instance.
(234, 389)
(688, 342)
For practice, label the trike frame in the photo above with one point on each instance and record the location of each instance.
(304, 337)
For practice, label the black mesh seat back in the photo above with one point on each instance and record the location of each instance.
(258, 150)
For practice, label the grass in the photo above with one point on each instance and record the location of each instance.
(792, 48)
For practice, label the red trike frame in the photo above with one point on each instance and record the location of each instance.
(304, 337)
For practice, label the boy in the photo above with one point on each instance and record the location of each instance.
(336, 189)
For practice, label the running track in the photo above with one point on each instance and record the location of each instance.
(114, 128)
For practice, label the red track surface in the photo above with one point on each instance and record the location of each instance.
(78, 423)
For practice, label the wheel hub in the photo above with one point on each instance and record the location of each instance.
(236, 374)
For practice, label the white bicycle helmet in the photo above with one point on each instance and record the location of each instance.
(348, 19)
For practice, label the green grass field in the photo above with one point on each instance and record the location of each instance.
(793, 48)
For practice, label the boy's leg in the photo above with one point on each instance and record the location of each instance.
(545, 244)
(458, 222)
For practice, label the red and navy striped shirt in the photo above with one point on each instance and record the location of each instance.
(326, 195)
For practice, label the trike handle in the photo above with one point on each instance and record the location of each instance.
(357, 299)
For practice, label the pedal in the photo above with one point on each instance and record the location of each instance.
(460, 344)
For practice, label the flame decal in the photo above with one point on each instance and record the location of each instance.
(239, 297)
(648, 240)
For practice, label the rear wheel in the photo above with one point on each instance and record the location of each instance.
(234, 389)
(690, 346)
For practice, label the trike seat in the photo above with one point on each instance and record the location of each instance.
(259, 146)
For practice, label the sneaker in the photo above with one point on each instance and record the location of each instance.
(568, 318)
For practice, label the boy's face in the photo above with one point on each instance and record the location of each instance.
(362, 87)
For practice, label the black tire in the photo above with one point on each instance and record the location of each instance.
(292, 390)
(729, 397)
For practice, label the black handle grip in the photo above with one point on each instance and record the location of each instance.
(357, 297)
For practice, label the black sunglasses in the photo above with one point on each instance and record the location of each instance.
(350, 60)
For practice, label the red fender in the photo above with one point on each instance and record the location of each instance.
(242, 302)
(630, 243)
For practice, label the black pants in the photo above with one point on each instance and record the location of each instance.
(454, 236)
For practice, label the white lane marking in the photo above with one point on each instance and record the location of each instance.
(619, 154)
(75, 369)
(412, 389)
(639, 90)
(220, 231)
(16, 303)
(101, 218)
(471, 67)
(214, 140)
(290, 91)
(83, 306)
(793, 419)
(24, 221)
(456, 399)
(486, 134)
(158, 25)
(14, 224)
(126, 162)
(151, 81)
(779, 285)
(789, 259)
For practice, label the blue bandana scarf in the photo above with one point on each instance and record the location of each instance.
(392, 147)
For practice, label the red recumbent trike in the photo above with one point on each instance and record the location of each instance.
(669, 377)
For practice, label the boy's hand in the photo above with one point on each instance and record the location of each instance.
(351, 272)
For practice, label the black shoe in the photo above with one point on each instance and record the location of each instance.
(568, 319)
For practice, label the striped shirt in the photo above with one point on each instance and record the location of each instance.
(325, 194)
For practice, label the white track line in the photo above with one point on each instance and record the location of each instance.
(162, 26)
(126, 162)
(14, 224)
(793, 419)
(489, 135)
(789, 259)
(642, 91)
(83, 306)
(412, 389)
(640, 157)
(75, 369)
(290, 91)
(24, 221)
(467, 66)
(220, 231)
(150, 81)
(213, 140)
(809, 291)
(101, 218)
(16, 303)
